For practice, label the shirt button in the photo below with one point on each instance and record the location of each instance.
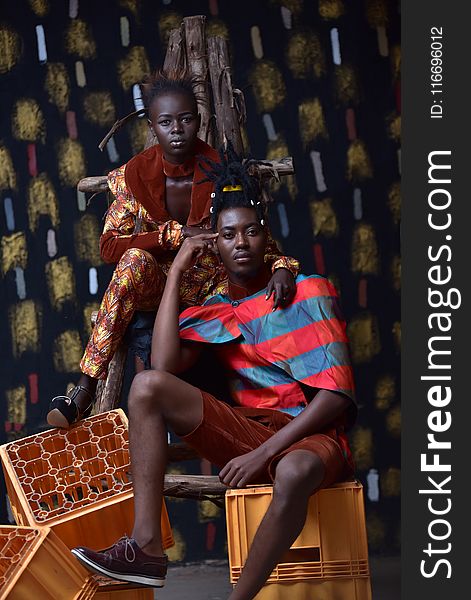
(235, 303)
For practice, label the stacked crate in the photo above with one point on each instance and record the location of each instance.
(328, 560)
(77, 483)
(34, 563)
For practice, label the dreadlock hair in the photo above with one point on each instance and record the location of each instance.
(232, 170)
(176, 81)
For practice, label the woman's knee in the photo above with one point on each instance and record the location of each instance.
(137, 260)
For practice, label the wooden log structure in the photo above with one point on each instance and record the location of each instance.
(227, 116)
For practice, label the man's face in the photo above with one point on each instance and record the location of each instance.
(241, 243)
(175, 121)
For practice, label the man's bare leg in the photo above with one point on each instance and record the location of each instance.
(298, 475)
(156, 399)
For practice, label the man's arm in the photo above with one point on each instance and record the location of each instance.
(168, 353)
(325, 407)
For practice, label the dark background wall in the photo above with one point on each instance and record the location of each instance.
(321, 83)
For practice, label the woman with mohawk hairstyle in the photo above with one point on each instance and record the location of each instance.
(291, 382)
(157, 205)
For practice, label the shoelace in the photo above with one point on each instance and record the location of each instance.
(116, 551)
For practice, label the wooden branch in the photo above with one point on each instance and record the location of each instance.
(227, 117)
(175, 58)
(197, 67)
(272, 168)
(199, 487)
(108, 391)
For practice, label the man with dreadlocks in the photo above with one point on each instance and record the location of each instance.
(291, 382)
(156, 207)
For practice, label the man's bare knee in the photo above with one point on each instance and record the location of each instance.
(148, 390)
(298, 475)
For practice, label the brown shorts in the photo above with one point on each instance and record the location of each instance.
(226, 432)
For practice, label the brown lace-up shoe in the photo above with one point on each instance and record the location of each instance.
(125, 561)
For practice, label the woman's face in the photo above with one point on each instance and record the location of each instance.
(174, 119)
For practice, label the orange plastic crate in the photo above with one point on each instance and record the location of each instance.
(352, 588)
(332, 544)
(35, 563)
(76, 481)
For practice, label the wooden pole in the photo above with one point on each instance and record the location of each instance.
(197, 67)
(227, 116)
(271, 168)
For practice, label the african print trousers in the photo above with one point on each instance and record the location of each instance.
(137, 284)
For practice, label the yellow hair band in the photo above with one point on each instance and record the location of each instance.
(232, 188)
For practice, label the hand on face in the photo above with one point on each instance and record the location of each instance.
(191, 249)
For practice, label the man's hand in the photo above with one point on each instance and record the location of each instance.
(283, 287)
(191, 249)
(244, 469)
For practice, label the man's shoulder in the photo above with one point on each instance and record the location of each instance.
(316, 284)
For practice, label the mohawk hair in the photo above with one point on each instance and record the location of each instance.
(160, 83)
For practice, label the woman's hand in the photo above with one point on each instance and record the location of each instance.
(244, 469)
(283, 287)
(191, 249)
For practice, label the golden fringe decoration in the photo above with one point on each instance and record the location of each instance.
(71, 162)
(305, 56)
(363, 333)
(385, 392)
(207, 511)
(57, 85)
(365, 258)
(362, 447)
(167, 22)
(311, 121)
(268, 85)
(276, 149)
(138, 131)
(396, 273)
(393, 421)
(14, 251)
(87, 239)
(324, 219)
(358, 162)
(67, 352)
(131, 5)
(10, 48)
(134, 67)
(376, 531)
(60, 281)
(27, 121)
(396, 331)
(216, 27)
(395, 54)
(295, 6)
(7, 172)
(42, 200)
(39, 7)
(394, 201)
(394, 126)
(79, 40)
(391, 482)
(178, 551)
(88, 309)
(377, 13)
(99, 109)
(16, 403)
(24, 319)
(331, 9)
(346, 85)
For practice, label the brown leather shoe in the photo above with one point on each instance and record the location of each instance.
(125, 561)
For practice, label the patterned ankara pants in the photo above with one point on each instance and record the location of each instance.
(137, 284)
